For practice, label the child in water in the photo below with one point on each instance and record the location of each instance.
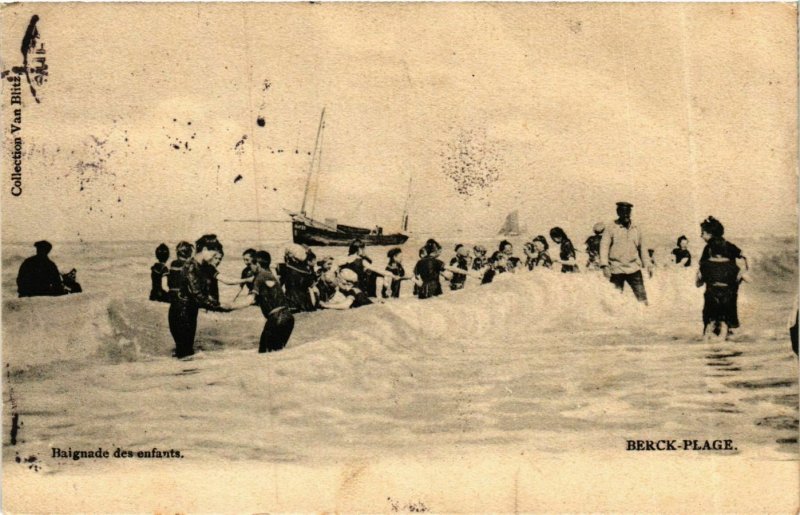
(479, 260)
(460, 261)
(417, 281)
(429, 268)
(158, 272)
(248, 257)
(681, 252)
(348, 294)
(326, 284)
(269, 296)
(213, 278)
(71, 284)
(567, 252)
(593, 246)
(511, 261)
(498, 263)
(394, 267)
(540, 257)
(651, 262)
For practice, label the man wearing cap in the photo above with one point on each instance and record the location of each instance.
(38, 275)
(621, 253)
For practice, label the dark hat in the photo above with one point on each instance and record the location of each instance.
(624, 204)
(43, 245)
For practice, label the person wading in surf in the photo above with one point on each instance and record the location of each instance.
(622, 253)
(193, 294)
(712, 231)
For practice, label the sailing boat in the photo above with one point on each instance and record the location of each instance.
(511, 225)
(308, 231)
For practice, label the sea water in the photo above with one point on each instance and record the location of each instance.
(534, 362)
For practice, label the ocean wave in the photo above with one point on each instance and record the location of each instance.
(516, 308)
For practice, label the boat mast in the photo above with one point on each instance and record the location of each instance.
(320, 139)
(405, 211)
(311, 166)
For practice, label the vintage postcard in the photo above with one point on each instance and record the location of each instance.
(399, 257)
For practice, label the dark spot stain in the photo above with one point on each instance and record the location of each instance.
(176, 146)
(237, 179)
(261, 121)
(472, 162)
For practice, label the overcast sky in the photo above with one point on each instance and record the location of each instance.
(559, 110)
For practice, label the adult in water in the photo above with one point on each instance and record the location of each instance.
(566, 253)
(297, 279)
(38, 275)
(622, 253)
(712, 231)
(192, 295)
(681, 252)
(269, 296)
(158, 272)
(720, 274)
(183, 251)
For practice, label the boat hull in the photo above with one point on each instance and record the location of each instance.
(307, 234)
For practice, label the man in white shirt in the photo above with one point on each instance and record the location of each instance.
(622, 253)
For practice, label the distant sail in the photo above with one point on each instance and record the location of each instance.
(511, 226)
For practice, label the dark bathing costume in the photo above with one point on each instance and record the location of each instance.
(297, 279)
(732, 252)
(192, 295)
(398, 270)
(174, 277)
(39, 276)
(680, 253)
(157, 273)
(567, 252)
(428, 269)
(720, 278)
(274, 306)
(458, 280)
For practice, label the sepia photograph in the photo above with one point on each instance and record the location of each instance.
(399, 257)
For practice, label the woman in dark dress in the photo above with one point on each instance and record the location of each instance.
(567, 252)
(193, 294)
(183, 251)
